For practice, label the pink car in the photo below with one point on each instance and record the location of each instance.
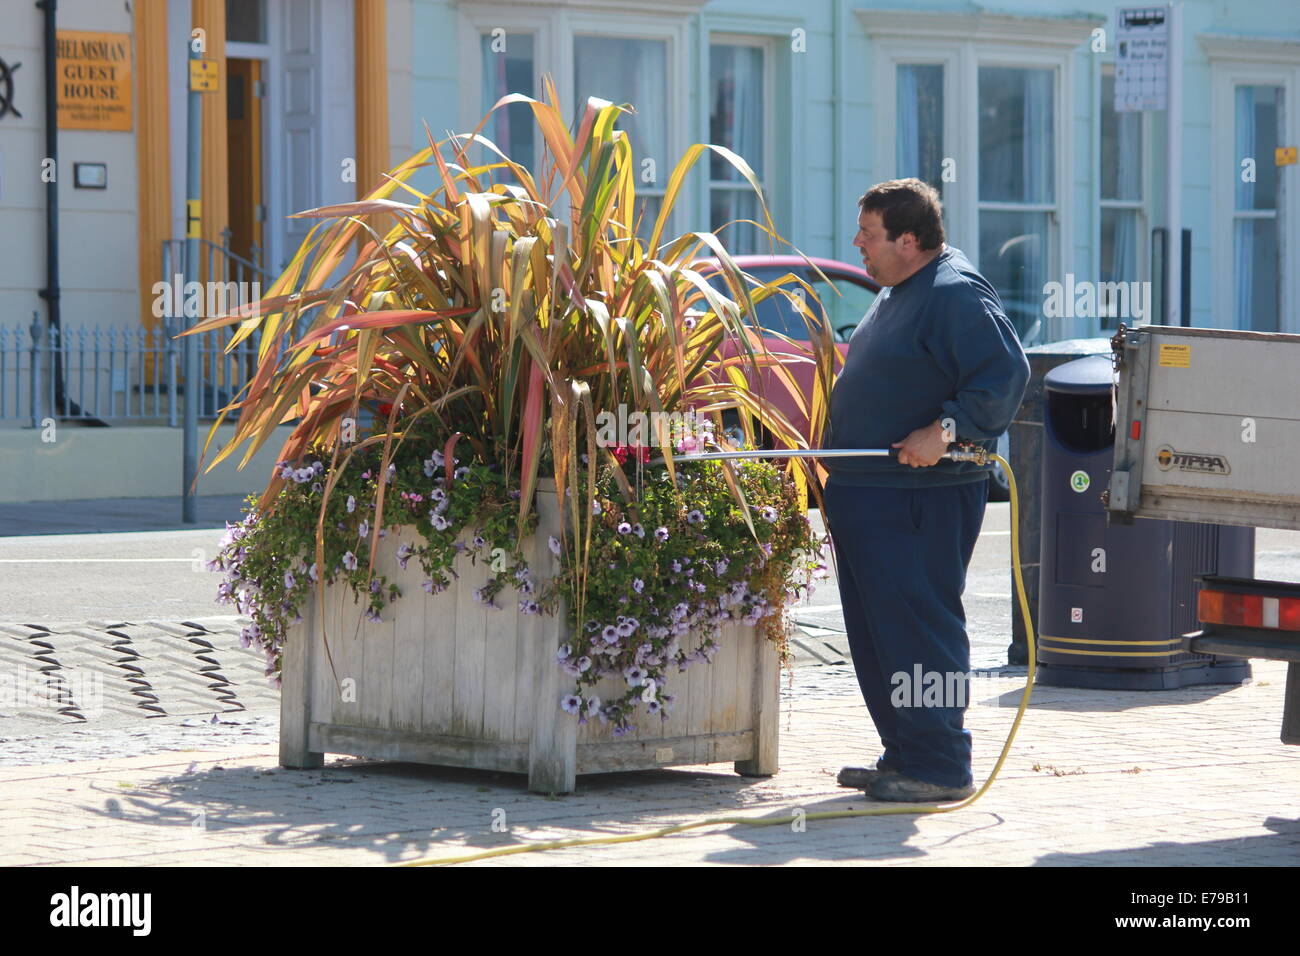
(857, 291)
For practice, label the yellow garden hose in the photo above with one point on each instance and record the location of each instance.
(823, 815)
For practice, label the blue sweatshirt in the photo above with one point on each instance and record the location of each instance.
(936, 345)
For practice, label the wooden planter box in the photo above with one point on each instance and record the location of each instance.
(444, 680)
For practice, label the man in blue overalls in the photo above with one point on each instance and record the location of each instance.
(934, 361)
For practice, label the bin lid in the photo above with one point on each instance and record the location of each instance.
(1086, 376)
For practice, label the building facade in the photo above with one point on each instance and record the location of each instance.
(1009, 111)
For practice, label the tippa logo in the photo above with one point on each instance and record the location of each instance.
(1203, 462)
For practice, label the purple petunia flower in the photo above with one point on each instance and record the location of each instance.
(563, 653)
(352, 504)
(695, 516)
(624, 528)
(349, 560)
(595, 507)
(403, 554)
(661, 535)
(609, 634)
(638, 531)
(439, 522)
(364, 529)
(768, 513)
(288, 580)
(638, 585)
(635, 676)
(311, 572)
(570, 703)
(554, 544)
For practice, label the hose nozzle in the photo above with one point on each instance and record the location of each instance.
(968, 451)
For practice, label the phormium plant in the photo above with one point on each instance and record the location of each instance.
(480, 327)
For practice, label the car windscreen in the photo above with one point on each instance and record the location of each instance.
(775, 314)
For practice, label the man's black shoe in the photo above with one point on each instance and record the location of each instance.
(860, 778)
(901, 789)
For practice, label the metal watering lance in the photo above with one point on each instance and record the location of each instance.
(965, 451)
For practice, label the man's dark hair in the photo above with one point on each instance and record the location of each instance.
(907, 205)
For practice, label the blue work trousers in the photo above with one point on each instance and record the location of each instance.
(901, 556)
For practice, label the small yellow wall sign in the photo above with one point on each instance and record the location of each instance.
(93, 73)
(204, 76)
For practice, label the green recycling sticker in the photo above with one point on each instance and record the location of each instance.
(1079, 481)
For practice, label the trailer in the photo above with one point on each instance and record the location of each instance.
(1207, 429)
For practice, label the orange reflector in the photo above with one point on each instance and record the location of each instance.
(1209, 607)
(1136, 431)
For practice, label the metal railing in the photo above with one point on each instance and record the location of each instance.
(116, 374)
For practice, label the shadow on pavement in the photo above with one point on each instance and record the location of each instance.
(1241, 851)
(403, 811)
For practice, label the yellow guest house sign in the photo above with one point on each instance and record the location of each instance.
(94, 80)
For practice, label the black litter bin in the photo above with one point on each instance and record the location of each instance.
(1116, 599)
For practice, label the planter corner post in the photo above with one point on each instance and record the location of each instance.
(296, 673)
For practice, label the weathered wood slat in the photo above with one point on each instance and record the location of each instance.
(440, 616)
(552, 751)
(744, 641)
(324, 690)
(420, 748)
(723, 668)
(471, 650)
(346, 646)
(611, 755)
(410, 636)
(699, 679)
(500, 665)
(377, 639)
